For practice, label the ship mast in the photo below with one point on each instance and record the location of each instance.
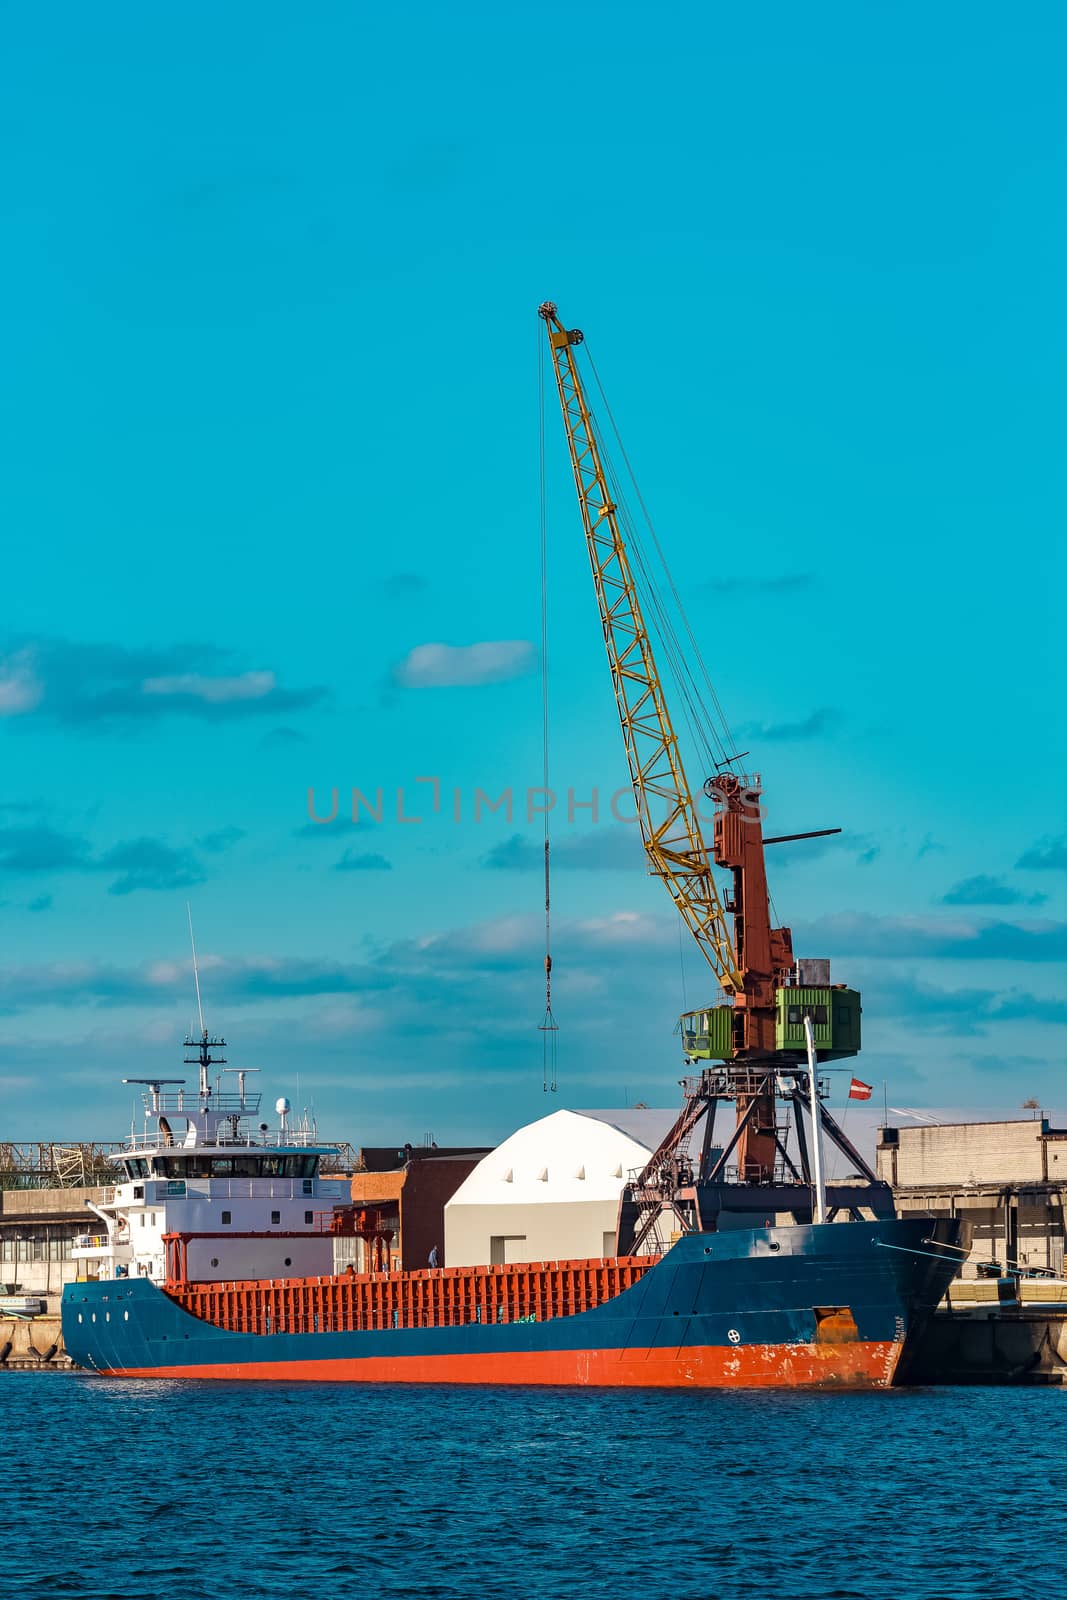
(203, 1045)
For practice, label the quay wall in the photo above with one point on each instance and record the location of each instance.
(33, 1346)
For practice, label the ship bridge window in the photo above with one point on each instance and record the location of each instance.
(289, 1166)
(204, 1167)
(251, 1165)
(248, 1166)
(181, 1166)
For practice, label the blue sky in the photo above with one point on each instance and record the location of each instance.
(269, 433)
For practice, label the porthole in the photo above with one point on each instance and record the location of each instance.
(774, 1245)
(707, 1249)
(214, 1261)
(288, 1261)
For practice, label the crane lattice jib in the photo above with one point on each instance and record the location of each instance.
(674, 846)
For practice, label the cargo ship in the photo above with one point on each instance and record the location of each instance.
(222, 1255)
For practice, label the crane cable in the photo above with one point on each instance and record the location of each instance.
(549, 1027)
(700, 707)
(724, 738)
(673, 644)
(701, 729)
(714, 740)
(699, 721)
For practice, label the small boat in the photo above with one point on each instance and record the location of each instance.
(22, 1306)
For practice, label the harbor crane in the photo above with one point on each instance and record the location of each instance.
(757, 1033)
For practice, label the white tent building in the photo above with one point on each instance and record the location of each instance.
(551, 1191)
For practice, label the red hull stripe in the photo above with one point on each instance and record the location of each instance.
(863, 1364)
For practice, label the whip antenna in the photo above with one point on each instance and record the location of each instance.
(196, 971)
(549, 1028)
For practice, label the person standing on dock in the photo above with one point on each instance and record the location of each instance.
(435, 1259)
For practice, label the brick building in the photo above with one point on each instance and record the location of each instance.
(409, 1187)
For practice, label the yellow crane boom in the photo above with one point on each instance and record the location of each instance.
(674, 844)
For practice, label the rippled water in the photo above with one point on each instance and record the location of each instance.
(190, 1491)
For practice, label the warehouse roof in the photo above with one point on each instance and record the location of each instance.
(565, 1157)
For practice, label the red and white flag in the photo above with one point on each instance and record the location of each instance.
(858, 1090)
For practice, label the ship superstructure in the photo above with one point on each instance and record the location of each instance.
(208, 1192)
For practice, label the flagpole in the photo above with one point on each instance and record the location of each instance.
(885, 1104)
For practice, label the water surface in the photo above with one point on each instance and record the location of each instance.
(191, 1491)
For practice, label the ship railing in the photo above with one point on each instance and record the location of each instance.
(186, 1102)
(224, 1139)
(91, 1241)
(245, 1188)
(783, 1177)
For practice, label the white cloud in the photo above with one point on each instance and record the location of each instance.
(216, 691)
(447, 666)
(343, 1018)
(858, 933)
(625, 927)
(20, 689)
(165, 974)
(77, 684)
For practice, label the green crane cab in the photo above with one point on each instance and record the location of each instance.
(708, 1035)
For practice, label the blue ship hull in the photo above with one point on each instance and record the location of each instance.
(792, 1306)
